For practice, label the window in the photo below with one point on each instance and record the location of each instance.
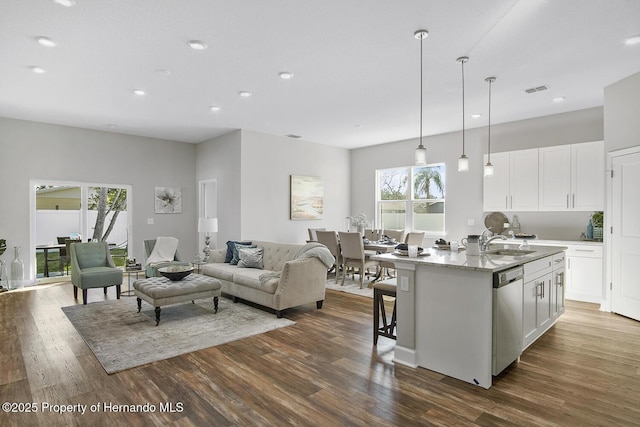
(412, 198)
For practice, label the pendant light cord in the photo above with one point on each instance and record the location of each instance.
(421, 92)
(462, 61)
(489, 127)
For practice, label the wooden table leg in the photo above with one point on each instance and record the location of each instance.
(157, 315)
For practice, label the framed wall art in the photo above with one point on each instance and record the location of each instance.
(307, 197)
(168, 200)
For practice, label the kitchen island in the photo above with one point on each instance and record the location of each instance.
(445, 307)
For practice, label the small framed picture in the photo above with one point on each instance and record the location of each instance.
(168, 200)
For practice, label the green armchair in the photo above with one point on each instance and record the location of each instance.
(151, 270)
(93, 267)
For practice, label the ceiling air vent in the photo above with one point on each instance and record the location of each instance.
(537, 89)
(292, 136)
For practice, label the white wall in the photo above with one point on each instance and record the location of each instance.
(252, 172)
(464, 190)
(219, 159)
(622, 113)
(267, 163)
(30, 150)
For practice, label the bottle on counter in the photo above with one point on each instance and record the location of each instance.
(590, 230)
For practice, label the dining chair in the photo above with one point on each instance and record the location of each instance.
(353, 255)
(330, 240)
(372, 235)
(312, 233)
(414, 238)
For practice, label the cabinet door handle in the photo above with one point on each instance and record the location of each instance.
(511, 199)
(573, 198)
(561, 279)
(541, 292)
(567, 200)
(584, 250)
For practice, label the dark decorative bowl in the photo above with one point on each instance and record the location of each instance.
(176, 272)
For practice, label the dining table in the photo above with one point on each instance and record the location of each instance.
(380, 247)
(46, 249)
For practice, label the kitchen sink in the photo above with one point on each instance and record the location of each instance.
(508, 252)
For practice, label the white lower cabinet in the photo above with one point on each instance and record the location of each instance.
(558, 284)
(536, 299)
(584, 273)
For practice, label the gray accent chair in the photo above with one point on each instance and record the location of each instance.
(152, 270)
(93, 267)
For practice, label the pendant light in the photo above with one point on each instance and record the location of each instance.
(488, 168)
(463, 161)
(421, 152)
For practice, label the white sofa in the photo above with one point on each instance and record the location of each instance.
(301, 281)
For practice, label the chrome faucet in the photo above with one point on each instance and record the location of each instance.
(484, 241)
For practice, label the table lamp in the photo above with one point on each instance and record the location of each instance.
(206, 226)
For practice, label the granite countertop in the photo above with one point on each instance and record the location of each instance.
(485, 262)
(536, 241)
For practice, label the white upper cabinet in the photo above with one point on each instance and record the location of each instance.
(523, 174)
(587, 176)
(514, 184)
(572, 177)
(555, 178)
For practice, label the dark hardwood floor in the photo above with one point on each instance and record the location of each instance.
(322, 371)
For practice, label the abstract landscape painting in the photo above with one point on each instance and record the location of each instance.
(307, 197)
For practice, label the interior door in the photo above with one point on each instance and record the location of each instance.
(625, 219)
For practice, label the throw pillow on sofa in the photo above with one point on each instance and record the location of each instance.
(236, 256)
(230, 245)
(250, 257)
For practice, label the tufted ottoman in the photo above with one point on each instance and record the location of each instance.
(159, 291)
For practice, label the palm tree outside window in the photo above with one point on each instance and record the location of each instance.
(411, 197)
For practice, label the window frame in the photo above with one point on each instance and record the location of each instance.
(409, 202)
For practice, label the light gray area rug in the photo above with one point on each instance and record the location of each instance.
(121, 338)
(350, 286)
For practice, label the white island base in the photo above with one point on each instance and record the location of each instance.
(452, 313)
(445, 313)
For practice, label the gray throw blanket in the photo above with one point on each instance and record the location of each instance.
(310, 250)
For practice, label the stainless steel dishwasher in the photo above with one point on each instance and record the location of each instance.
(507, 317)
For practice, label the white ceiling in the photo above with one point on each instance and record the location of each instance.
(355, 63)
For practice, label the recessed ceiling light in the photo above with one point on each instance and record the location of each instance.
(286, 75)
(163, 72)
(476, 115)
(631, 40)
(46, 41)
(112, 125)
(66, 3)
(197, 44)
(244, 93)
(214, 108)
(37, 70)
(558, 99)
(139, 92)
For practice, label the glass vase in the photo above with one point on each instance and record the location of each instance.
(4, 277)
(17, 269)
